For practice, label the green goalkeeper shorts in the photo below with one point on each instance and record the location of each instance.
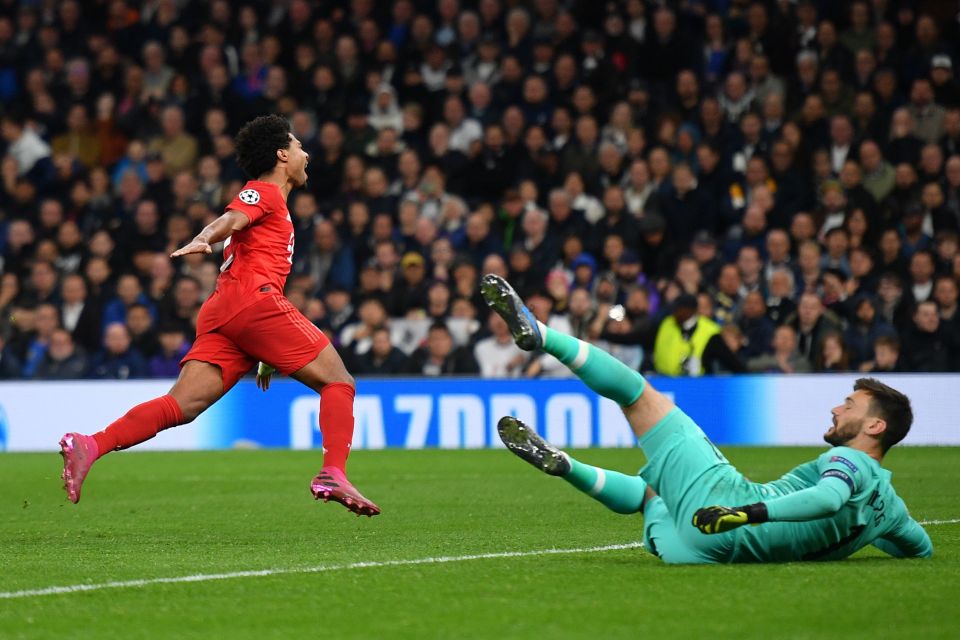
(687, 472)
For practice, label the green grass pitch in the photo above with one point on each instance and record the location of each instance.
(156, 515)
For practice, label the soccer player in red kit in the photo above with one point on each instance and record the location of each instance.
(246, 319)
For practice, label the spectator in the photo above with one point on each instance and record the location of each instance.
(28, 150)
(143, 336)
(686, 208)
(893, 308)
(63, 359)
(38, 343)
(185, 304)
(886, 358)
(878, 177)
(177, 148)
(833, 356)
(779, 303)
(863, 331)
(726, 360)
(498, 356)
(926, 346)
(440, 357)
(812, 323)
(42, 286)
(358, 336)
(118, 359)
(173, 346)
(756, 327)
(464, 131)
(727, 297)
(785, 357)
(922, 270)
(79, 141)
(10, 366)
(545, 365)
(927, 115)
(383, 359)
(945, 294)
(682, 338)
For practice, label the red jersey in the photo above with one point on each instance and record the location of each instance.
(256, 259)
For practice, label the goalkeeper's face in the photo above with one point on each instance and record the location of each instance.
(848, 419)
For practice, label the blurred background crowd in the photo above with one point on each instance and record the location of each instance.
(698, 186)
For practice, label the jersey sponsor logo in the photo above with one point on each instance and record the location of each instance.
(844, 462)
(836, 473)
(249, 196)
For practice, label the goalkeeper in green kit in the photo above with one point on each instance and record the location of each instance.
(825, 509)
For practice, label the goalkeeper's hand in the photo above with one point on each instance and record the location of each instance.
(264, 371)
(718, 519)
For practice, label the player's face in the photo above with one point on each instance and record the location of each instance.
(848, 419)
(297, 160)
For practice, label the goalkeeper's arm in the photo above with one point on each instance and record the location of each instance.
(907, 539)
(822, 500)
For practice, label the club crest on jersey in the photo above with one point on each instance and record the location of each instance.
(249, 196)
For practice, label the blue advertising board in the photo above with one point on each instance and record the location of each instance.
(456, 413)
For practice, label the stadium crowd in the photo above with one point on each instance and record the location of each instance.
(699, 187)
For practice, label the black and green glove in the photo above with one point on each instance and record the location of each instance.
(718, 519)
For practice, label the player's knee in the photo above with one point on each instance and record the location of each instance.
(341, 378)
(193, 408)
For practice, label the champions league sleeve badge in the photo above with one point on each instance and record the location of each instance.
(249, 196)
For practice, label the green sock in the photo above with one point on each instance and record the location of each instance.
(617, 491)
(598, 369)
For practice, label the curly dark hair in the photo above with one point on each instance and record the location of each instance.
(257, 144)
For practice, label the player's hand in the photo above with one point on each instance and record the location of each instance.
(264, 372)
(717, 519)
(193, 247)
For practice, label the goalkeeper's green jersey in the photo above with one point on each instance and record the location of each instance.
(872, 514)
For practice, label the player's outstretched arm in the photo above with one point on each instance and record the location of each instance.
(819, 501)
(218, 230)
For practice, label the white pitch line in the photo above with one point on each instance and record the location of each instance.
(205, 577)
(324, 568)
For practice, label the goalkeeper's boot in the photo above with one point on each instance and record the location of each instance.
(332, 484)
(500, 296)
(524, 442)
(79, 453)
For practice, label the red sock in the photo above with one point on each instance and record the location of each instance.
(336, 423)
(140, 424)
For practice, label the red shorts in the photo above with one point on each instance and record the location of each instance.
(271, 331)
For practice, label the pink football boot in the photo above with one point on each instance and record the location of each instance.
(332, 484)
(79, 453)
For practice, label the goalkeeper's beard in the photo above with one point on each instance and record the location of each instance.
(840, 434)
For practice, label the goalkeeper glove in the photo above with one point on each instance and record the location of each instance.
(718, 519)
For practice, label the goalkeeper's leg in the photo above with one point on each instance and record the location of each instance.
(643, 405)
(680, 456)
(617, 491)
(662, 539)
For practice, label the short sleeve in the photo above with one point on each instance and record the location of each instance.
(843, 466)
(251, 202)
